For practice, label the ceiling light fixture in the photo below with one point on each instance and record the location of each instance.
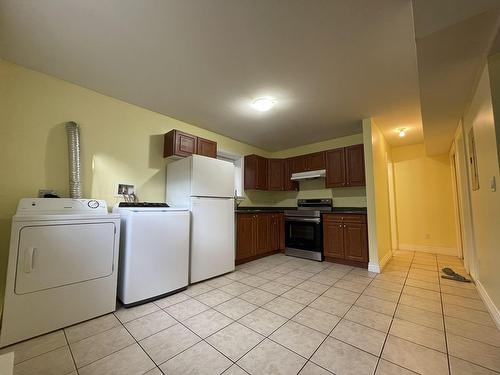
(402, 132)
(263, 104)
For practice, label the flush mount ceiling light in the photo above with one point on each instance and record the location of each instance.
(263, 104)
(402, 132)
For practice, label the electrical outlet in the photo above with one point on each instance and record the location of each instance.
(42, 193)
(126, 189)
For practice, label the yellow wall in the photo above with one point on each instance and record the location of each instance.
(486, 203)
(120, 143)
(424, 200)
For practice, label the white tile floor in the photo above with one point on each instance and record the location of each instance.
(282, 315)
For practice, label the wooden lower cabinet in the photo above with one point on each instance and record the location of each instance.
(258, 234)
(345, 239)
(263, 233)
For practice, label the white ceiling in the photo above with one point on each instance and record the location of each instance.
(454, 37)
(328, 63)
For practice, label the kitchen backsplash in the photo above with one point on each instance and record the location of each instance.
(342, 197)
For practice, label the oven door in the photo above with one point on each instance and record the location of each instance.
(303, 233)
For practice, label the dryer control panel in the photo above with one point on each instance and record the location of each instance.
(58, 206)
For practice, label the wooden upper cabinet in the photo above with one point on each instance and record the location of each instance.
(288, 184)
(335, 168)
(345, 167)
(355, 165)
(276, 179)
(315, 161)
(309, 162)
(298, 164)
(177, 143)
(206, 147)
(256, 172)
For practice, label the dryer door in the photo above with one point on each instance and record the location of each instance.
(51, 256)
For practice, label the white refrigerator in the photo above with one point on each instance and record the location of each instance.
(206, 186)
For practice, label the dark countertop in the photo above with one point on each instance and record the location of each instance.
(262, 209)
(345, 210)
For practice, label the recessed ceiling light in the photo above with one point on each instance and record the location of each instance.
(402, 132)
(263, 104)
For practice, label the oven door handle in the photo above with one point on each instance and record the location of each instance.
(316, 220)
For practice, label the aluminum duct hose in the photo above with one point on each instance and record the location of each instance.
(75, 188)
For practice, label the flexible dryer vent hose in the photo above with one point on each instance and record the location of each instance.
(75, 187)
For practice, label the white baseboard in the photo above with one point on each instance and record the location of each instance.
(429, 249)
(385, 259)
(495, 313)
(373, 267)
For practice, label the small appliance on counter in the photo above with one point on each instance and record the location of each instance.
(206, 186)
(154, 251)
(304, 230)
(62, 268)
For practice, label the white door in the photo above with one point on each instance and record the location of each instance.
(50, 256)
(212, 177)
(212, 237)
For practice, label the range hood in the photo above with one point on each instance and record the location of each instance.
(309, 175)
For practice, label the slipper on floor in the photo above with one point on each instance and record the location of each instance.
(457, 277)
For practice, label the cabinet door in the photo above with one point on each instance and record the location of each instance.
(315, 161)
(276, 174)
(245, 236)
(206, 147)
(289, 185)
(185, 144)
(355, 165)
(335, 168)
(263, 227)
(250, 172)
(261, 173)
(275, 233)
(333, 239)
(281, 231)
(299, 164)
(356, 242)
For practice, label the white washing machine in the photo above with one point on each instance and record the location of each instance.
(154, 251)
(62, 266)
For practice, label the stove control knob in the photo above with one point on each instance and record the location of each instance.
(93, 204)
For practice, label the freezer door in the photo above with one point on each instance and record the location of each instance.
(212, 177)
(212, 237)
(50, 256)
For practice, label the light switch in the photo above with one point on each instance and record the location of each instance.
(493, 184)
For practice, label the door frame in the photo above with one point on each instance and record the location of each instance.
(464, 201)
(392, 206)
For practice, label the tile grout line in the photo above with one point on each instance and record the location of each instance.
(394, 314)
(444, 320)
(70, 350)
(336, 324)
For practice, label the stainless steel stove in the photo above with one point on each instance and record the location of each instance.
(304, 230)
